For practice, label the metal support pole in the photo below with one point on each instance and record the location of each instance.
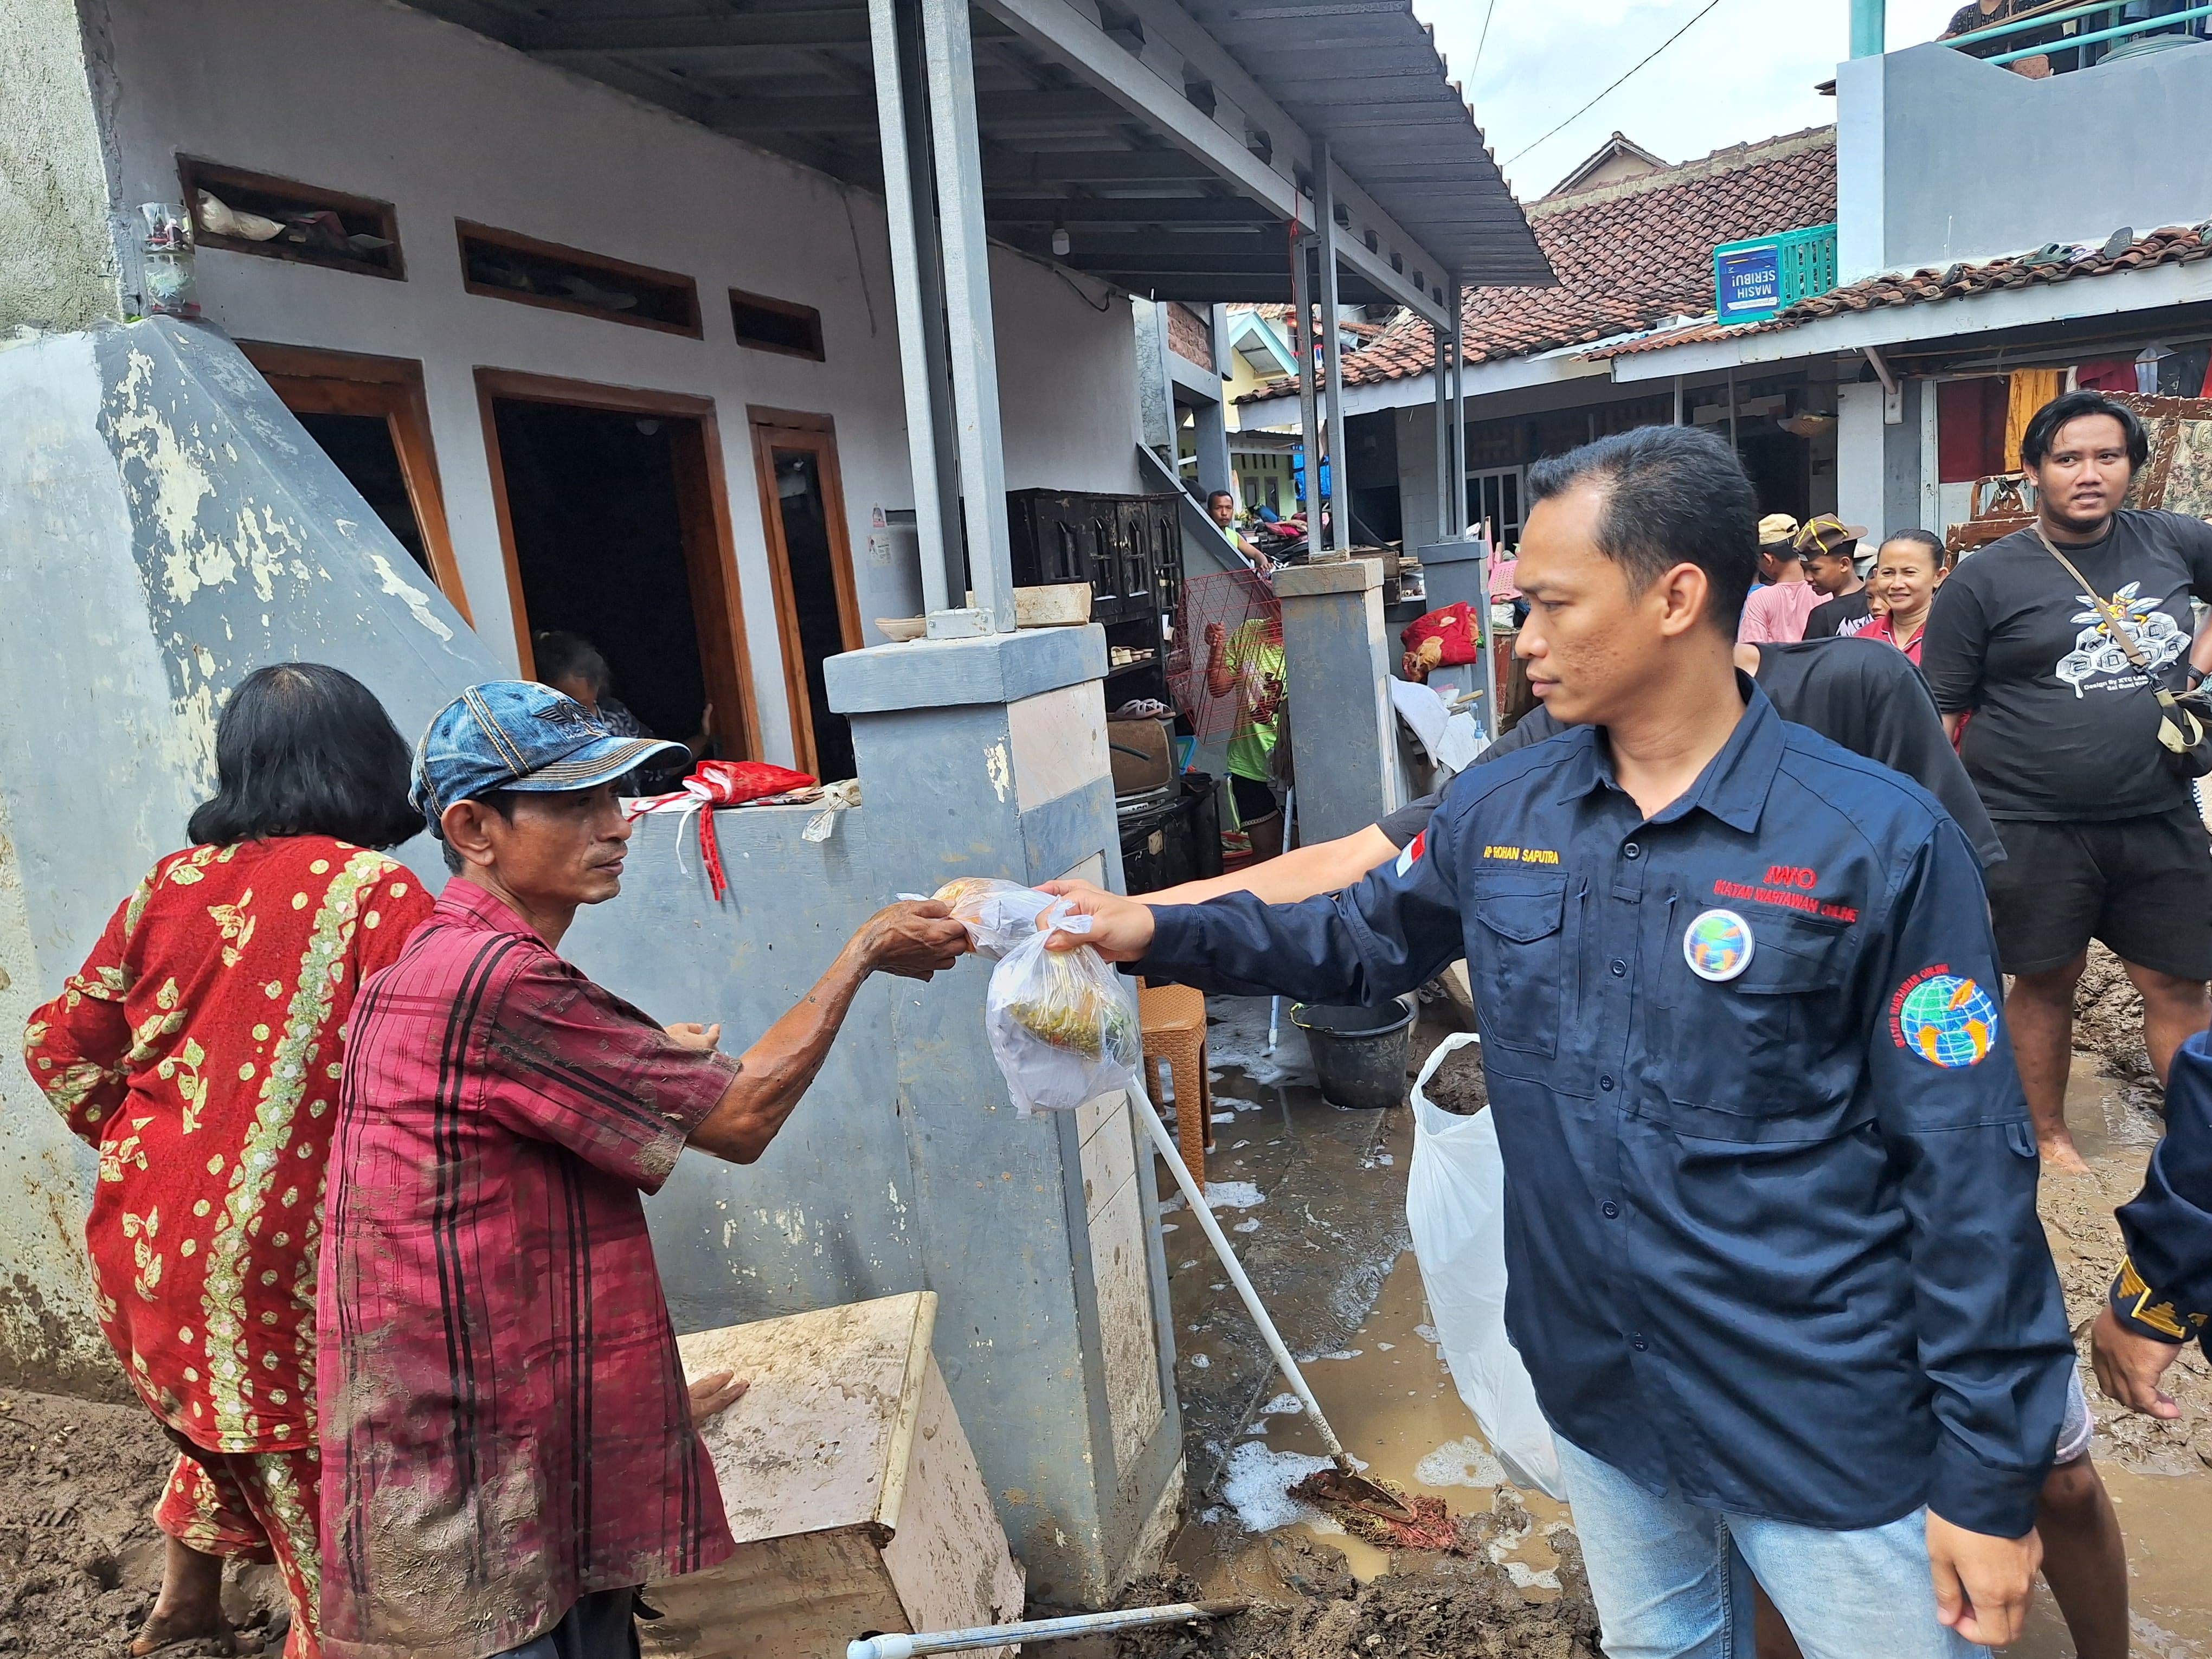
(1339, 451)
(967, 307)
(1869, 28)
(1443, 439)
(1309, 426)
(1459, 411)
(918, 296)
(1678, 400)
(1731, 391)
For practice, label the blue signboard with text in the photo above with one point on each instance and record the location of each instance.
(1761, 277)
(1747, 283)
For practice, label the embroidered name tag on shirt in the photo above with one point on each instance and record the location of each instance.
(1521, 854)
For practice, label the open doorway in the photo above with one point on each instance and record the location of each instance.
(612, 519)
(368, 415)
(817, 610)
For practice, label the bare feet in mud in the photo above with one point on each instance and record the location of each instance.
(2060, 1156)
(190, 1607)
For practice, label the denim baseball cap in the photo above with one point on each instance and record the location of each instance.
(516, 734)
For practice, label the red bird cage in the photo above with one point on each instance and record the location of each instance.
(1228, 628)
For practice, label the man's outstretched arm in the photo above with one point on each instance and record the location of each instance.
(912, 940)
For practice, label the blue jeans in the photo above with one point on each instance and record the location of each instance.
(1671, 1582)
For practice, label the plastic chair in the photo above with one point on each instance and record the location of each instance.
(1173, 1020)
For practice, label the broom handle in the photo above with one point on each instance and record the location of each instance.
(1165, 1143)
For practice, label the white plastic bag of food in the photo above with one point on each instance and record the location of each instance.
(998, 915)
(1456, 1208)
(1062, 1024)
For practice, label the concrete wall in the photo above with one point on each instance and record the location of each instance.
(1941, 156)
(369, 96)
(166, 527)
(1878, 463)
(58, 265)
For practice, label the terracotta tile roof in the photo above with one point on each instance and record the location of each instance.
(1630, 255)
(2057, 263)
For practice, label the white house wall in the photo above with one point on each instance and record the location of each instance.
(370, 97)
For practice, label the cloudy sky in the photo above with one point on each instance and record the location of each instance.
(1744, 71)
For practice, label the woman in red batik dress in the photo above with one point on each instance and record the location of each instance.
(197, 1048)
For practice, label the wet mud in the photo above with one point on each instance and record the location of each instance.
(80, 1556)
(1458, 1086)
(1382, 1382)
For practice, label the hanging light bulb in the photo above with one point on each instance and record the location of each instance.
(1060, 242)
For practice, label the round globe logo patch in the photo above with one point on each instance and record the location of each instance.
(1946, 1020)
(1718, 945)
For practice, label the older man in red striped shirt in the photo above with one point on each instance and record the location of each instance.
(508, 1446)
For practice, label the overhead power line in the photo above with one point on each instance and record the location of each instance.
(1481, 41)
(1600, 98)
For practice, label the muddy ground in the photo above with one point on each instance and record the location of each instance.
(80, 1557)
(1425, 1607)
(1314, 1202)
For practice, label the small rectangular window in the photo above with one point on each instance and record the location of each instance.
(767, 325)
(244, 212)
(503, 264)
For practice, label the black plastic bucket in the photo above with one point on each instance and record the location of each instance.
(1359, 1053)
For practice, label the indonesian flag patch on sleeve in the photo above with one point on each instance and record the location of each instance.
(1414, 849)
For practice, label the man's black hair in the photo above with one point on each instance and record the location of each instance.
(303, 749)
(562, 656)
(1927, 539)
(1674, 494)
(2043, 426)
(500, 801)
(1213, 495)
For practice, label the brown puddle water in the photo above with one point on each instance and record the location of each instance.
(1389, 1398)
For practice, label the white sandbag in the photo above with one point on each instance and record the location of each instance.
(1455, 1207)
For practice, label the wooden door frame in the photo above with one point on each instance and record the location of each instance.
(308, 381)
(702, 506)
(785, 429)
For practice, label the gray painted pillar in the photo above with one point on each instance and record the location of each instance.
(1458, 520)
(1340, 535)
(1309, 426)
(1336, 660)
(1457, 571)
(974, 356)
(59, 265)
(918, 294)
(988, 756)
(1156, 407)
(1442, 413)
(1211, 421)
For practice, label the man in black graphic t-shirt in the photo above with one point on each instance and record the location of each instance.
(2102, 838)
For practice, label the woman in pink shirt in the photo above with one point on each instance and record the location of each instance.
(1907, 573)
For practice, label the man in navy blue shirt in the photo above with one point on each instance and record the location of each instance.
(1774, 1262)
(2161, 1298)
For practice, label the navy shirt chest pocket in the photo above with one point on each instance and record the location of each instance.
(1771, 1054)
(1518, 964)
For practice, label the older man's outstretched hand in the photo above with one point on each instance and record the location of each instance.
(1120, 928)
(912, 939)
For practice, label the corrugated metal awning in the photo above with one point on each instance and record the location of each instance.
(1148, 207)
